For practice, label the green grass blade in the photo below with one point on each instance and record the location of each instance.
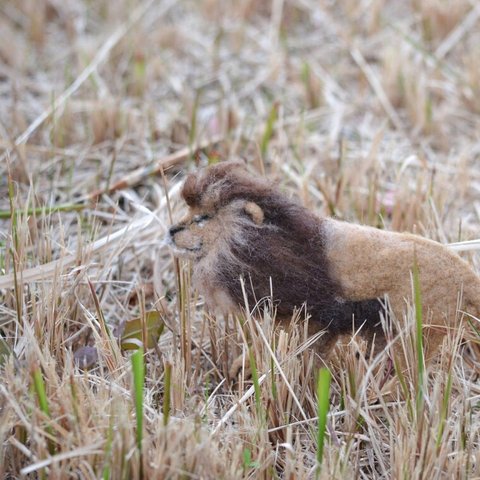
(138, 370)
(5, 214)
(267, 134)
(323, 403)
(40, 391)
(418, 336)
(256, 383)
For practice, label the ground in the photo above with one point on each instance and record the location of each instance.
(368, 111)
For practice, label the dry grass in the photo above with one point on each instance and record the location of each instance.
(376, 120)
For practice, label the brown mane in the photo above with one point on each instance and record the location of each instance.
(222, 183)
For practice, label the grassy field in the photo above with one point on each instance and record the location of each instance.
(366, 110)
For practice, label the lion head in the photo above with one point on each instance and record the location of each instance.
(241, 226)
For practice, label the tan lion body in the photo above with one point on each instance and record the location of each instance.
(373, 263)
(241, 226)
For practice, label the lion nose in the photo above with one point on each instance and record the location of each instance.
(175, 229)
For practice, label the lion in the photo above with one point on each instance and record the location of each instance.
(241, 226)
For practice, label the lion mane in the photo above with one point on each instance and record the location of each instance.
(240, 226)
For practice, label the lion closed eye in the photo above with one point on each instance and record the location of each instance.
(240, 225)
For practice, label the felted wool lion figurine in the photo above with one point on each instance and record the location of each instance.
(242, 226)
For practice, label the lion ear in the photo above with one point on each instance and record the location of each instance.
(190, 191)
(255, 212)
